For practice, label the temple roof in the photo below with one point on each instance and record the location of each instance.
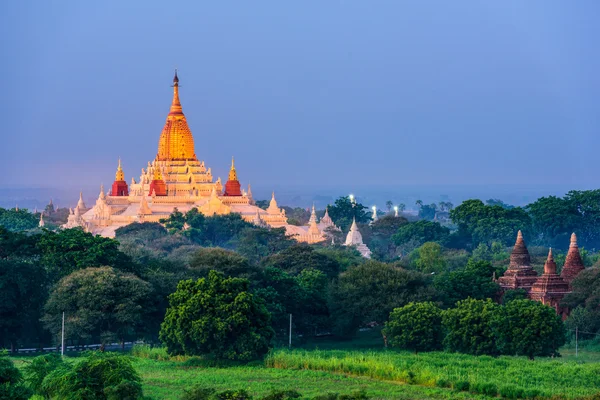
(573, 262)
(519, 256)
(176, 141)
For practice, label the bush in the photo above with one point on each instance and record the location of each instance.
(416, 327)
(461, 385)
(511, 392)
(100, 376)
(11, 380)
(282, 395)
(470, 327)
(39, 368)
(488, 389)
(151, 353)
(197, 392)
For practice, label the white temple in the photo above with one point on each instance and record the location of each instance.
(354, 238)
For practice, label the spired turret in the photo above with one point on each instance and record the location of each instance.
(573, 262)
(157, 186)
(119, 186)
(550, 288)
(520, 274)
(176, 141)
(232, 186)
(354, 238)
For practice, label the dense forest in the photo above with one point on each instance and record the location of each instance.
(120, 289)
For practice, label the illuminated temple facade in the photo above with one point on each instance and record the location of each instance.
(177, 179)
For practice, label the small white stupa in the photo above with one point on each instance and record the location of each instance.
(354, 238)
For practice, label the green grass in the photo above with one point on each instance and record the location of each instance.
(168, 379)
(514, 377)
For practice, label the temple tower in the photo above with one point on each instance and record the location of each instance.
(550, 288)
(573, 263)
(232, 186)
(176, 141)
(157, 186)
(520, 274)
(354, 238)
(119, 186)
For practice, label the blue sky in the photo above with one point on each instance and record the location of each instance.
(305, 93)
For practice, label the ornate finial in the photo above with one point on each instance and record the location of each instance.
(573, 240)
(232, 172)
(119, 175)
(550, 265)
(175, 78)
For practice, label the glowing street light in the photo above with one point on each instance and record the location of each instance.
(351, 198)
(395, 211)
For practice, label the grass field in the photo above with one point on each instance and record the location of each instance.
(510, 377)
(381, 373)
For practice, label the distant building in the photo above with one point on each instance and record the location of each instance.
(549, 288)
(176, 179)
(354, 238)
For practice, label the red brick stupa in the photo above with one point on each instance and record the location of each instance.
(520, 274)
(157, 186)
(119, 186)
(232, 186)
(550, 288)
(573, 263)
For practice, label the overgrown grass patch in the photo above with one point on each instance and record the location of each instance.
(510, 377)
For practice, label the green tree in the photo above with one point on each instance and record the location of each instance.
(345, 256)
(22, 294)
(474, 281)
(12, 386)
(343, 211)
(470, 327)
(421, 232)
(302, 256)
(389, 204)
(416, 327)
(529, 328)
(176, 221)
(70, 250)
(257, 243)
(585, 291)
(226, 261)
(20, 220)
(99, 376)
(100, 303)
(367, 293)
(479, 223)
(217, 317)
(426, 211)
(430, 258)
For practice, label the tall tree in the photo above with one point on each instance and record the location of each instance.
(99, 304)
(367, 293)
(416, 327)
(343, 211)
(217, 317)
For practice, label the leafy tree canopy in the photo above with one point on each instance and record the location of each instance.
(421, 232)
(217, 317)
(70, 250)
(416, 327)
(529, 328)
(470, 327)
(343, 211)
(12, 385)
(100, 304)
(474, 281)
(367, 293)
(302, 256)
(20, 220)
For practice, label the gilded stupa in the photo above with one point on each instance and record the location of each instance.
(177, 179)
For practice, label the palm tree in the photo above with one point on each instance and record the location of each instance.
(389, 205)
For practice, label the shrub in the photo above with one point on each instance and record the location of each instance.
(39, 368)
(197, 392)
(282, 395)
(11, 380)
(470, 327)
(488, 389)
(92, 377)
(461, 385)
(443, 383)
(511, 392)
(151, 353)
(416, 327)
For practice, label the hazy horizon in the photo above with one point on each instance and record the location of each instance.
(313, 96)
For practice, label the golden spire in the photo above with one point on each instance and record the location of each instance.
(176, 141)
(232, 172)
(175, 104)
(119, 176)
